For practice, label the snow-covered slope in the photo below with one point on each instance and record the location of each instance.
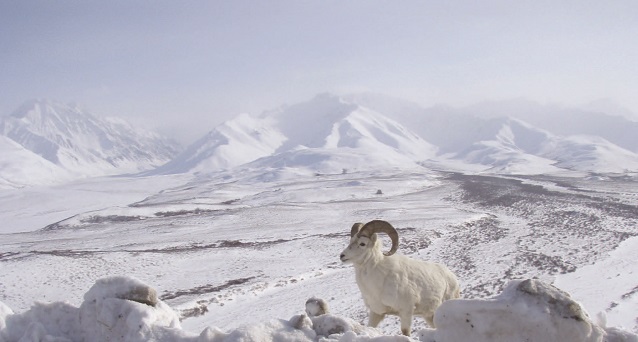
(82, 144)
(20, 167)
(590, 153)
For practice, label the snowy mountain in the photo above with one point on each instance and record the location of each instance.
(331, 134)
(235, 142)
(511, 150)
(590, 153)
(325, 134)
(518, 147)
(539, 135)
(81, 144)
(564, 121)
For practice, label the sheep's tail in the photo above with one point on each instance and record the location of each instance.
(456, 288)
(453, 292)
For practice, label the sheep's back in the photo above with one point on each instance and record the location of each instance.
(433, 280)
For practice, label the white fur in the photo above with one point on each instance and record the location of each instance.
(396, 284)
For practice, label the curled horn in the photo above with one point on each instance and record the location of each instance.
(379, 226)
(355, 228)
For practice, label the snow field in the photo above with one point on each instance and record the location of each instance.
(274, 244)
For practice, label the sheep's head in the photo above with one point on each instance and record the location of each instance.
(363, 240)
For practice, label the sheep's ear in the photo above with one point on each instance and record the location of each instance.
(355, 228)
(373, 238)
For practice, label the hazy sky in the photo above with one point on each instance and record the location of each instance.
(185, 66)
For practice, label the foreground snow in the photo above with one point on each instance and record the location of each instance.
(125, 309)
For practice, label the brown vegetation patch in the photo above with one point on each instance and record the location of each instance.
(208, 288)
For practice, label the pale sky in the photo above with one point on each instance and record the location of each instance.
(185, 66)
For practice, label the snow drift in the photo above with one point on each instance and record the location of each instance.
(125, 309)
(527, 310)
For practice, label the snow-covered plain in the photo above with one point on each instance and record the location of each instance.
(236, 254)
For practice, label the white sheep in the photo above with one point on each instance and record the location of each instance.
(393, 284)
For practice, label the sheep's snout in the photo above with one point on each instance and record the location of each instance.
(353, 251)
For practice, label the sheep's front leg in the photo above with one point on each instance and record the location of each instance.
(375, 319)
(406, 323)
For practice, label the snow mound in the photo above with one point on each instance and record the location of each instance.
(116, 308)
(125, 309)
(527, 310)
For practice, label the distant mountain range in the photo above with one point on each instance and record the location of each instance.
(327, 134)
(330, 133)
(44, 142)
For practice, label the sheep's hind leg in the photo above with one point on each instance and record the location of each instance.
(375, 319)
(429, 318)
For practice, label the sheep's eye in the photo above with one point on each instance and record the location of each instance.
(362, 244)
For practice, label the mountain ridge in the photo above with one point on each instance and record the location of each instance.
(82, 144)
(313, 131)
(378, 129)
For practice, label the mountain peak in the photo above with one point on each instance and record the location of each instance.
(320, 134)
(308, 123)
(81, 143)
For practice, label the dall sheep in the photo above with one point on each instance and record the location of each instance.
(393, 284)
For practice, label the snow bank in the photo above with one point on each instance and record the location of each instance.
(125, 309)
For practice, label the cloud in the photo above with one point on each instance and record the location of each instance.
(206, 58)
